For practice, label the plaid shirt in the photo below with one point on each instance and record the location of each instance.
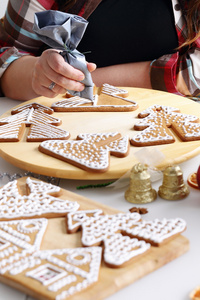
(177, 73)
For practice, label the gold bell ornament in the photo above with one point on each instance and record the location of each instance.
(140, 189)
(173, 186)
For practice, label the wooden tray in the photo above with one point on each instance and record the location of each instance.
(26, 155)
(110, 280)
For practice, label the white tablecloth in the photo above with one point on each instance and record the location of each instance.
(173, 281)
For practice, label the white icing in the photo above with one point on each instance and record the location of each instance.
(157, 117)
(85, 103)
(47, 131)
(17, 243)
(78, 152)
(119, 249)
(98, 229)
(47, 273)
(38, 202)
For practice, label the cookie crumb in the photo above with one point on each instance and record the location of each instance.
(139, 210)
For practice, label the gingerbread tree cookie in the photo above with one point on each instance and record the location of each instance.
(123, 236)
(39, 200)
(91, 153)
(107, 98)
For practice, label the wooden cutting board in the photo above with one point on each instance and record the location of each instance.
(26, 155)
(110, 280)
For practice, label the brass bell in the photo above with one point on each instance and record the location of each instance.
(173, 186)
(140, 189)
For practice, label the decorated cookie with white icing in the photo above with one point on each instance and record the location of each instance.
(31, 116)
(41, 199)
(91, 152)
(153, 135)
(155, 123)
(35, 106)
(112, 141)
(124, 236)
(11, 132)
(18, 240)
(42, 132)
(42, 125)
(59, 273)
(81, 154)
(107, 98)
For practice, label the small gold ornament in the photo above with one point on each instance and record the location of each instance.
(173, 186)
(140, 189)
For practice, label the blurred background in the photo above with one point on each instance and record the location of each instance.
(3, 4)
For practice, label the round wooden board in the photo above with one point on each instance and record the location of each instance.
(26, 155)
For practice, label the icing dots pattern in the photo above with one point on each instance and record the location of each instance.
(90, 152)
(155, 122)
(39, 201)
(124, 236)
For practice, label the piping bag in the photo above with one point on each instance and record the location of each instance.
(63, 31)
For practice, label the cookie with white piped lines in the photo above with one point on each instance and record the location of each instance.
(108, 98)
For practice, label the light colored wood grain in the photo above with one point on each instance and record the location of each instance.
(110, 280)
(26, 155)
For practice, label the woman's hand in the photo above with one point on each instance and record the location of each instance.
(29, 77)
(51, 67)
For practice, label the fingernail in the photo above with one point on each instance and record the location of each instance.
(81, 77)
(81, 88)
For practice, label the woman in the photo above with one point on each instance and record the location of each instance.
(134, 44)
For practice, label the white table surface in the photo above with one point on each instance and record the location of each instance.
(173, 281)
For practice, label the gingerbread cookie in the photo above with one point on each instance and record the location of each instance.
(18, 240)
(59, 273)
(91, 153)
(31, 116)
(34, 105)
(42, 132)
(39, 200)
(51, 274)
(124, 236)
(11, 132)
(43, 125)
(112, 141)
(155, 123)
(107, 98)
